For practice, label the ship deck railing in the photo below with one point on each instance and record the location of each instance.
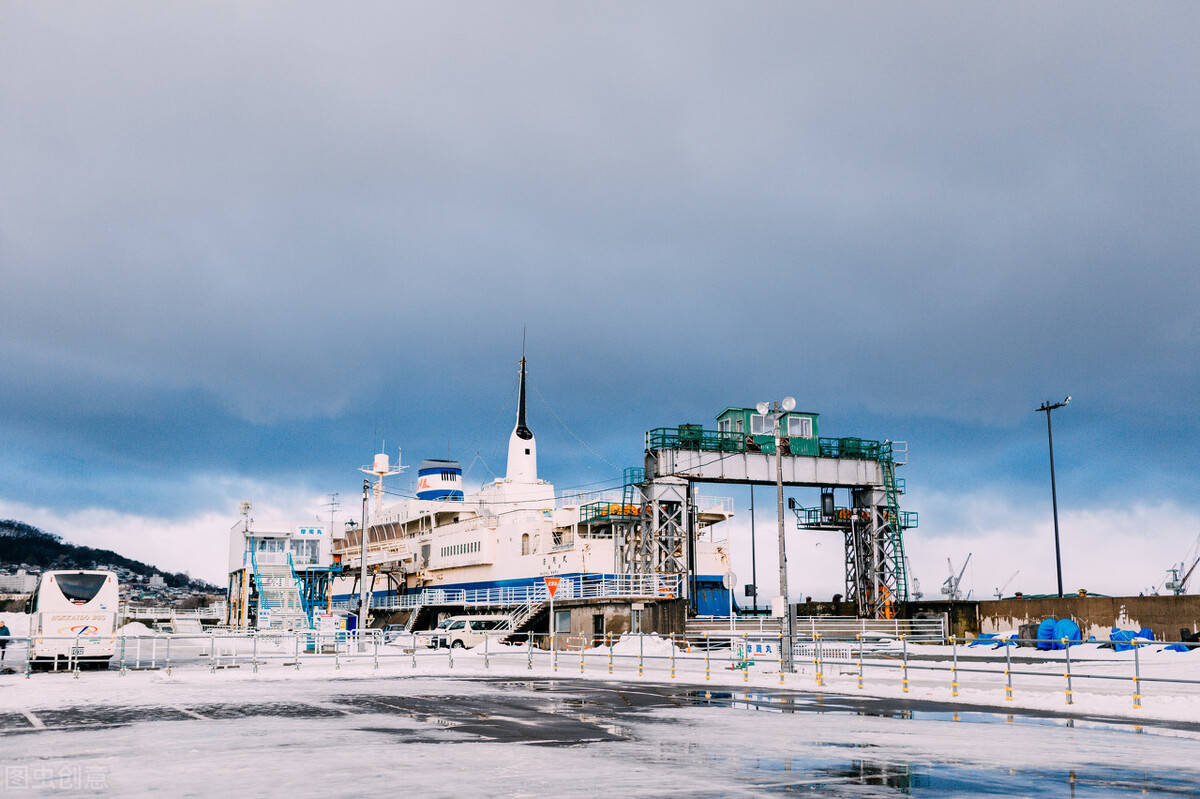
(611, 586)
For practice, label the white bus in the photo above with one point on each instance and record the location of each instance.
(74, 616)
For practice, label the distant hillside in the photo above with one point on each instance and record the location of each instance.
(24, 543)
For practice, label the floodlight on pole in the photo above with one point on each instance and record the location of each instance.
(1046, 408)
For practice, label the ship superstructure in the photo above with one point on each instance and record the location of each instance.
(496, 545)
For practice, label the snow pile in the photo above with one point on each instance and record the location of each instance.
(136, 628)
(651, 646)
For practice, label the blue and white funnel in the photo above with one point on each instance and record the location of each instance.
(437, 479)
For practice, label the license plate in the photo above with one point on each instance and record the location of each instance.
(76, 651)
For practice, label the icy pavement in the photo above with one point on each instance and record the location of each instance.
(322, 732)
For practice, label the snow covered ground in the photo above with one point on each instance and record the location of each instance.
(466, 723)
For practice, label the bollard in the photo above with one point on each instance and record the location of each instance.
(450, 654)
(954, 666)
(816, 668)
(375, 638)
(29, 654)
(122, 654)
(641, 652)
(529, 641)
(1008, 672)
(858, 639)
(486, 660)
(707, 673)
(820, 662)
(337, 653)
(413, 642)
(745, 658)
(296, 647)
(1067, 646)
(169, 655)
(779, 652)
(212, 651)
(554, 650)
(672, 656)
(1137, 678)
(137, 653)
(904, 665)
(254, 652)
(608, 639)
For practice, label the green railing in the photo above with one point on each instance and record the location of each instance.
(694, 437)
(608, 511)
(813, 517)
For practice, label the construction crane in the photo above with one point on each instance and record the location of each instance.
(950, 588)
(1000, 589)
(914, 583)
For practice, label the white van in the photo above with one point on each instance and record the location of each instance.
(466, 632)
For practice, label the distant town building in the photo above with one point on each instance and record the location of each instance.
(22, 582)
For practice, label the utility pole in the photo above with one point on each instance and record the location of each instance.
(1046, 407)
(362, 569)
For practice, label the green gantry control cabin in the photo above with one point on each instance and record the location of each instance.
(798, 427)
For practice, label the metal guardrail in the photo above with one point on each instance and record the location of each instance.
(220, 649)
(690, 437)
(153, 612)
(633, 586)
(829, 628)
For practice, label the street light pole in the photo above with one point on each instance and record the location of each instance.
(783, 578)
(1047, 407)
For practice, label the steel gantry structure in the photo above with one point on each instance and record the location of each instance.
(655, 526)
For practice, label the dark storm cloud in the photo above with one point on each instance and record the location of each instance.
(231, 233)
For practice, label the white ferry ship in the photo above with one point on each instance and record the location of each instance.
(497, 544)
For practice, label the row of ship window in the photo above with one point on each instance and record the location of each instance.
(460, 549)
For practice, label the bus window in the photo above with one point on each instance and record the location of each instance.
(81, 587)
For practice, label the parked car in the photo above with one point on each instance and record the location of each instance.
(466, 632)
(392, 631)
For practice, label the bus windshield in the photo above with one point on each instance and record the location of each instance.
(79, 587)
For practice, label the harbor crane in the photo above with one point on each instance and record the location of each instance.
(1000, 589)
(1177, 578)
(950, 588)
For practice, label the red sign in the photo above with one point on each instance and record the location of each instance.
(551, 584)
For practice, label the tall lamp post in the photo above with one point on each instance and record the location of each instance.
(1046, 407)
(788, 404)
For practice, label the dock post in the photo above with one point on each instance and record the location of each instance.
(1066, 642)
(641, 651)
(608, 636)
(122, 654)
(1007, 672)
(169, 637)
(858, 640)
(904, 665)
(819, 661)
(254, 652)
(707, 649)
(672, 656)
(780, 654)
(954, 665)
(1137, 678)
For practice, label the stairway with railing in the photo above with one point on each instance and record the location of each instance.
(523, 615)
(280, 600)
(896, 525)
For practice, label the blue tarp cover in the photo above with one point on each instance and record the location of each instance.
(1067, 629)
(1045, 633)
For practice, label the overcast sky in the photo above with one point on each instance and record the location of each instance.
(241, 244)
